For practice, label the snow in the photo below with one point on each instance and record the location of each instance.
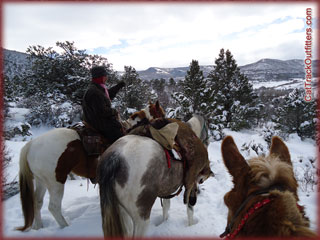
(293, 83)
(81, 206)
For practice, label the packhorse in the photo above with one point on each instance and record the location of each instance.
(264, 199)
(48, 159)
(134, 171)
(199, 125)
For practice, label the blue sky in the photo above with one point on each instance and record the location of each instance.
(162, 34)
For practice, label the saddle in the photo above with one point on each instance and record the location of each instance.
(93, 142)
(162, 131)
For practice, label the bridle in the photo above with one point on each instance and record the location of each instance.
(229, 227)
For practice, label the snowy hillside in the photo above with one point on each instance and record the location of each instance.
(81, 205)
(284, 84)
(263, 73)
(177, 73)
(15, 63)
(262, 70)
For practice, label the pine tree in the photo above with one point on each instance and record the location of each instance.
(58, 81)
(135, 94)
(232, 95)
(295, 115)
(193, 97)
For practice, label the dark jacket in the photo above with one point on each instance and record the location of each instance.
(97, 110)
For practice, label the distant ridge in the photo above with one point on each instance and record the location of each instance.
(263, 70)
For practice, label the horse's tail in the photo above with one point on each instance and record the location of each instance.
(112, 221)
(26, 189)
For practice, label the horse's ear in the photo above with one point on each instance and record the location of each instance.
(233, 160)
(157, 105)
(279, 149)
(150, 103)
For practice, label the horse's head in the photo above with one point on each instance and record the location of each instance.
(155, 110)
(152, 111)
(272, 171)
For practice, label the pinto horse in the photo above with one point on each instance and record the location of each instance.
(49, 159)
(263, 201)
(199, 126)
(134, 171)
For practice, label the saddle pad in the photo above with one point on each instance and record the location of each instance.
(166, 135)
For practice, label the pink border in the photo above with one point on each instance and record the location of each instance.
(140, 1)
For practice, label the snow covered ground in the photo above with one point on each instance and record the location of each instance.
(284, 84)
(81, 199)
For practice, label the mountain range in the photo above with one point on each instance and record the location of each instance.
(262, 70)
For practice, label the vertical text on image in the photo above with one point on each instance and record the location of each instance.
(308, 58)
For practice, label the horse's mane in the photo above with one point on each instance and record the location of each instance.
(268, 171)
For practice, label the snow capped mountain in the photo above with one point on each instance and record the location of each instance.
(262, 70)
(276, 70)
(167, 73)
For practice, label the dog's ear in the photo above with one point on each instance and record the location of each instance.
(233, 160)
(279, 149)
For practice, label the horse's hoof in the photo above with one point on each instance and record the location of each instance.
(63, 226)
(192, 200)
(93, 180)
(37, 226)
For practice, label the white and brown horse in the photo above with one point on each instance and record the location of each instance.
(134, 171)
(48, 159)
(199, 125)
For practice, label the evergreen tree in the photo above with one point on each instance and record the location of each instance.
(232, 95)
(160, 88)
(58, 81)
(295, 115)
(193, 97)
(135, 95)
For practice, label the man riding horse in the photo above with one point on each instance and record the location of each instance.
(96, 105)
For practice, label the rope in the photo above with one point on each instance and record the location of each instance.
(251, 211)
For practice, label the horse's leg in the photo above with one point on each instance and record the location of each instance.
(190, 214)
(127, 221)
(141, 216)
(165, 208)
(39, 194)
(189, 182)
(192, 201)
(140, 226)
(56, 193)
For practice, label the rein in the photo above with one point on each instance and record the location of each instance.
(229, 227)
(252, 210)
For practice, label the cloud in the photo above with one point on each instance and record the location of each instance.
(160, 34)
